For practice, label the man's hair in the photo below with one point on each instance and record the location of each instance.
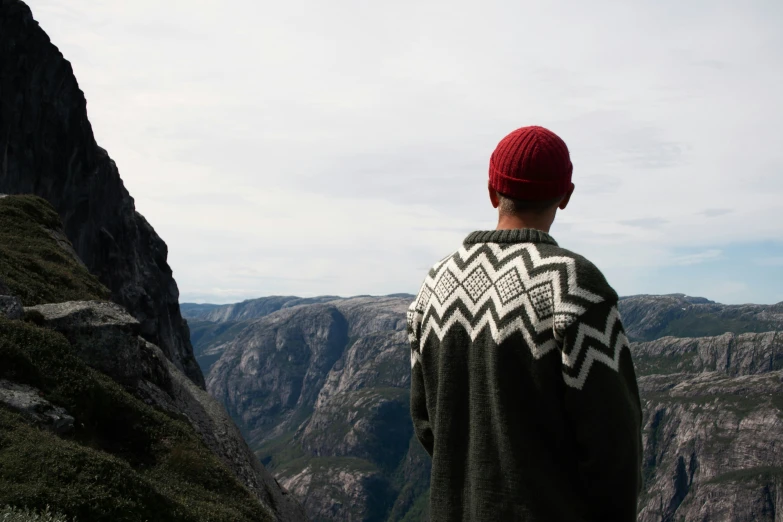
(511, 206)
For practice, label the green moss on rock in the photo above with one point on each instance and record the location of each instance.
(32, 264)
(123, 461)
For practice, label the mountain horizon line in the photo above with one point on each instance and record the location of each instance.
(324, 297)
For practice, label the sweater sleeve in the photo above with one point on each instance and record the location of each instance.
(603, 406)
(419, 412)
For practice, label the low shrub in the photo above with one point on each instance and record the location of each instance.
(12, 514)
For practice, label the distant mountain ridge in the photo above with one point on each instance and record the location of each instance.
(249, 309)
(255, 308)
(645, 316)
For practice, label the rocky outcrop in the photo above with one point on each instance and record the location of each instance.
(102, 334)
(743, 354)
(340, 490)
(47, 148)
(107, 338)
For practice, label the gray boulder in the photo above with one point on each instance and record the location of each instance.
(103, 334)
(11, 307)
(27, 401)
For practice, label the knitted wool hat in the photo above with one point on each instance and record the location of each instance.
(531, 163)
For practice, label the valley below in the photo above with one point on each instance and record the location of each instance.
(320, 389)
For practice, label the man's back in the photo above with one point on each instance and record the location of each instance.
(522, 386)
(523, 390)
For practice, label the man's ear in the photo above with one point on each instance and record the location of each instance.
(567, 198)
(493, 196)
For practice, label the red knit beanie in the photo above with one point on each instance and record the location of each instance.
(531, 163)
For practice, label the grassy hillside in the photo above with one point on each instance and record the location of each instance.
(650, 317)
(707, 324)
(123, 461)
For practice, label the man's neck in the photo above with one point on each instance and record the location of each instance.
(543, 223)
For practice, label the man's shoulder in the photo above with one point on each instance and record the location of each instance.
(585, 273)
(424, 293)
(435, 268)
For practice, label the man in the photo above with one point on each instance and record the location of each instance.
(522, 386)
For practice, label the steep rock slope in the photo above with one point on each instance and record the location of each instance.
(322, 392)
(94, 419)
(47, 148)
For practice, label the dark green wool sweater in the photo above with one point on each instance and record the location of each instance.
(522, 386)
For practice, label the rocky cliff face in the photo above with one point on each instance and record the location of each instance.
(322, 391)
(47, 148)
(713, 416)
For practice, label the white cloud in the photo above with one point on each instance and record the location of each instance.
(770, 261)
(697, 258)
(249, 132)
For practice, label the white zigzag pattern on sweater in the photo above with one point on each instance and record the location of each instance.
(592, 354)
(448, 285)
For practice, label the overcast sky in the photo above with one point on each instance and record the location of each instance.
(341, 147)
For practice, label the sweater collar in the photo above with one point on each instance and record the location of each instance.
(517, 235)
